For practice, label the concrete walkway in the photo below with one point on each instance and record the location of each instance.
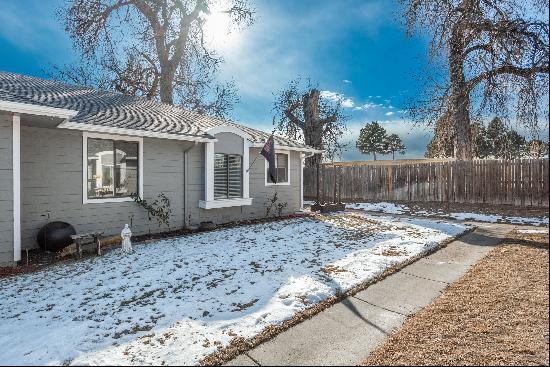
(349, 331)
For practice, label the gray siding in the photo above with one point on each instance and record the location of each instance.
(229, 143)
(6, 190)
(258, 190)
(51, 181)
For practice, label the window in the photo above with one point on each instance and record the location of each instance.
(112, 168)
(281, 162)
(228, 176)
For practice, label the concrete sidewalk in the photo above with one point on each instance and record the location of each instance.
(349, 331)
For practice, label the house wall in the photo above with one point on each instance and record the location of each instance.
(6, 190)
(51, 184)
(229, 143)
(258, 190)
(51, 181)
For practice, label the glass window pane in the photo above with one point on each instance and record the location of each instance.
(282, 160)
(100, 168)
(126, 168)
(281, 175)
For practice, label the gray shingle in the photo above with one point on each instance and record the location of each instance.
(112, 109)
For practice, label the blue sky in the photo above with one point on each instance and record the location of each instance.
(356, 49)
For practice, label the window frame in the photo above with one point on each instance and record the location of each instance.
(208, 202)
(85, 137)
(287, 182)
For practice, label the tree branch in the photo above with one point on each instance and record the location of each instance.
(507, 69)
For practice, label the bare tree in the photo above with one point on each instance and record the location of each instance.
(496, 53)
(304, 115)
(153, 48)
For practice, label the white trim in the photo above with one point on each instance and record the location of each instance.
(302, 158)
(85, 136)
(209, 152)
(208, 172)
(130, 132)
(32, 109)
(229, 129)
(16, 172)
(246, 170)
(298, 149)
(266, 165)
(224, 203)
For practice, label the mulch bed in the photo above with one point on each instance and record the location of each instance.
(496, 314)
(39, 259)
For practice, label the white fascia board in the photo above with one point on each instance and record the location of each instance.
(32, 109)
(131, 132)
(229, 129)
(284, 147)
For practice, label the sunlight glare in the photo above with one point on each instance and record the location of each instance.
(218, 30)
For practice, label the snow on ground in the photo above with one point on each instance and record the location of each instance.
(177, 300)
(383, 207)
(392, 208)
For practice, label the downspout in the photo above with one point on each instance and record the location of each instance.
(185, 174)
(303, 157)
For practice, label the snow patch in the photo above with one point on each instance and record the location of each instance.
(177, 300)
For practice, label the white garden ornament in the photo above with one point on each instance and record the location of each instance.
(126, 243)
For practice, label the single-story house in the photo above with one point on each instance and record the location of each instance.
(76, 154)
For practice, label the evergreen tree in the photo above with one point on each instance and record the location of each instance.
(482, 148)
(392, 144)
(371, 139)
(496, 137)
(537, 148)
(515, 145)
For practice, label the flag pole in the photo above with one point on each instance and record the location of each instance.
(251, 164)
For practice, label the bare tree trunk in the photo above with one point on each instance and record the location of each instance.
(393, 155)
(167, 88)
(313, 129)
(460, 99)
(374, 154)
(318, 185)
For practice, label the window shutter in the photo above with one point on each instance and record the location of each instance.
(235, 176)
(228, 176)
(220, 176)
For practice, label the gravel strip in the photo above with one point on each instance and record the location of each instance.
(496, 314)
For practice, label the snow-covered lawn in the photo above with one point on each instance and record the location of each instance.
(176, 301)
(392, 208)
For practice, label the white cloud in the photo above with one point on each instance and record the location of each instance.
(389, 113)
(369, 106)
(337, 97)
(347, 103)
(347, 81)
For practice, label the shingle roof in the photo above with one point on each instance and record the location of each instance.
(112, 109)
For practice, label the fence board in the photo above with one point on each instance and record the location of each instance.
(519, 182)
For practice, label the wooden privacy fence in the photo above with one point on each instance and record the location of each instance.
(520, 182)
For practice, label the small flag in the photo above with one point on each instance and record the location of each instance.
(268, 151)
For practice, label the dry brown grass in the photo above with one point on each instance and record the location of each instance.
(496, 314)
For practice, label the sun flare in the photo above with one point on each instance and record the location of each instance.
(218, 30)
